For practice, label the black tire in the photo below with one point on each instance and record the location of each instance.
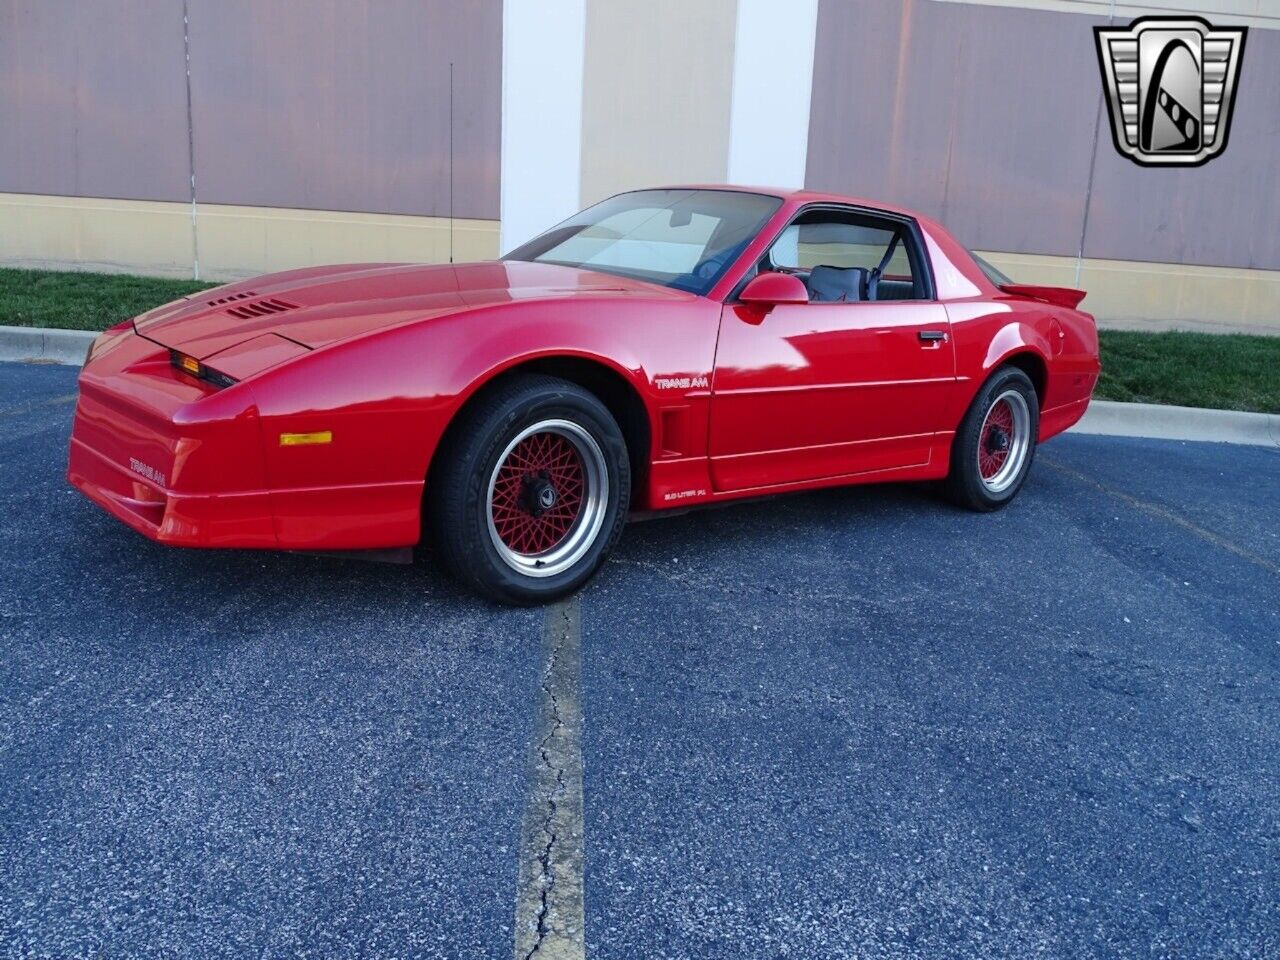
(965, 484)
(458, 510)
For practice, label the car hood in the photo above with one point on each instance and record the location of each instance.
(322, 305)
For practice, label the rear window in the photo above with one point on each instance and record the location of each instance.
(994, 275)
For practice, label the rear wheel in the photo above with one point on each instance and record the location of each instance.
(996, 443)
(531, 492)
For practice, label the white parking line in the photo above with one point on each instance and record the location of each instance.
(549, 910)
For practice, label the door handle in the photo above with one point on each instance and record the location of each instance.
(933, 336)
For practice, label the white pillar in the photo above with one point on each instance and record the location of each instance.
(772, 83)
(542, 60)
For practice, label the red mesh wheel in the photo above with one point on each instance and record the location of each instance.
(538, 493)
(996, 440)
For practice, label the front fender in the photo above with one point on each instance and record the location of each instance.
(387, 398)
(499, 354)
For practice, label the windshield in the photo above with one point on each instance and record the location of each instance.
(685, 239)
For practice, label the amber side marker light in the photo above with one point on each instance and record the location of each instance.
(198, 370)
(305, 439)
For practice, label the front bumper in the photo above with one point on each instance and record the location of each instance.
(183, 462)
(140, 453)
(167, 516)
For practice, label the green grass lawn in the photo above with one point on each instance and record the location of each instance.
(1225, 370)
(82, 301)
(1229, 371)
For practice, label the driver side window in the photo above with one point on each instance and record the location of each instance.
(847, 257)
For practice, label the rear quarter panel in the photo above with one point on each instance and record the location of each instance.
(989, 327)
(988, 333)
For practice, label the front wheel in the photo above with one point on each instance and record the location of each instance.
(532, 490)
(996, 443)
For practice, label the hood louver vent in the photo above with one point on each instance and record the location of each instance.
(235, 296)
(261, 308)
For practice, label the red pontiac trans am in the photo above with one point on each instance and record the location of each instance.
(661, 349)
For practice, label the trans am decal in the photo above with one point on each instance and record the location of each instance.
(682, 383)
(146, 470)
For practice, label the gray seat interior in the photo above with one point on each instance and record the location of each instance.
(829, 284)
(895, 290)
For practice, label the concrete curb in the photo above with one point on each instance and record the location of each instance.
(51, 346)
(1104, 417)
(1157, 421)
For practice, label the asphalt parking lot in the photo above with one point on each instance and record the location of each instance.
(851, 724)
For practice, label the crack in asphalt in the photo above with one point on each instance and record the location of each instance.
(546, 874)
(549, 906)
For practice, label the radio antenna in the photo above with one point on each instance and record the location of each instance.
(451, 161)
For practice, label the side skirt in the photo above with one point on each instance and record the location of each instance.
(938, 466)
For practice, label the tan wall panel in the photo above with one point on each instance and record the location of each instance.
(134, 236)
(656, 97)
(1159, 296)
(155, 238)
(242, 241)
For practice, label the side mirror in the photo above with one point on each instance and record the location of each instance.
(771, 289)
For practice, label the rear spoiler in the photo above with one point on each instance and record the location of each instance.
(1059, 296)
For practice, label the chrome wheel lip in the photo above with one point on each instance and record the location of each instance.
(1019, 443)
(595, 498)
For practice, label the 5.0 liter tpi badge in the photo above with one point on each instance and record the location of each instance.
(1171, 83)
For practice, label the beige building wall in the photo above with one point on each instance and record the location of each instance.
(657, 85)
(242, 241)
(1131, 295)
(83, 233)
(157, 237)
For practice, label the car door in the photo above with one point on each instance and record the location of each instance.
(833, 387)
